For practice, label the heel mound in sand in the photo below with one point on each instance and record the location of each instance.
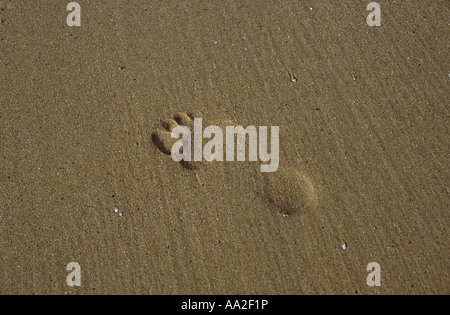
(290, 192)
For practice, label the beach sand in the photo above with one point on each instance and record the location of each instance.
(363, 117)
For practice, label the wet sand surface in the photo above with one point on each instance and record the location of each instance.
(363, 117)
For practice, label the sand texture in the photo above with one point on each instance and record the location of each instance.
(363, 114)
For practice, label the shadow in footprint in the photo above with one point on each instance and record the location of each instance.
(162, 135)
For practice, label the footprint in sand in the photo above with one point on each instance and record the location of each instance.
(287, 189)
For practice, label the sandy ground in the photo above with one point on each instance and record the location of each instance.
(366, 124)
